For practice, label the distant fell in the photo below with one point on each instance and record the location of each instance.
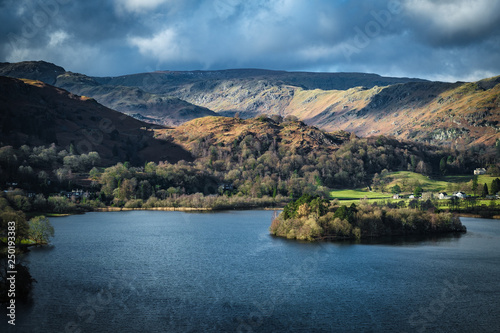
(155, 108)
(34, 70)
(168, 81)
(441, 113)
(35, 113)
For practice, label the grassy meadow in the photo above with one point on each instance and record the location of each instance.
(407, 181)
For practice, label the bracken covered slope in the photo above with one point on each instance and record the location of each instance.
(293, 136)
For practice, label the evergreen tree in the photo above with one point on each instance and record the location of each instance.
(72, 149)
(418, 191)
(442, 166)
(474, 184)
(484, 193)
(396, 189)
(495, 186)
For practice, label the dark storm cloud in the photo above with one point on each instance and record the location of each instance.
(447, 23)
(447, 40)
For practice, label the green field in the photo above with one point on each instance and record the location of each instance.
(444, 183)
(407, 178)
(357, 194)
(407, 181)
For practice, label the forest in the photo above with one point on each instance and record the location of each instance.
(248, 170)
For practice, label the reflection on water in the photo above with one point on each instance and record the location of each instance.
(436, 239)
(222, 272)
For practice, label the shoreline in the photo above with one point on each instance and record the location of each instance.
(494, 217)
(181, 209)
(205, 209)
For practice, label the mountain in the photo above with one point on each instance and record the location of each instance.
(153, 108)
(34, 70)
(366, 104)
(171, 81)
(249, 92)
(35, 113)
(432, 112)
(201, 135)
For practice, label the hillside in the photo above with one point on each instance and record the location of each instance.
(34, 113)
(170, 81)
(153, 108)
(366, 104)
(34, 70)
(261, 133)
(433, 112)
(436, 113)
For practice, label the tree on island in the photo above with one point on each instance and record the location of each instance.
(311, 218)
(40, 229)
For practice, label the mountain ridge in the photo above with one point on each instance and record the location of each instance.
(159, 109)
(366, 104)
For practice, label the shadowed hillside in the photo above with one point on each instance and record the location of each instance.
(153, 108)
(34, 70)
(34, 113)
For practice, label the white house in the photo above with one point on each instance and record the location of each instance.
(460, 195)
(480, 171)
(443, 195)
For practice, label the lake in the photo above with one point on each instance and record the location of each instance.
(151, 271)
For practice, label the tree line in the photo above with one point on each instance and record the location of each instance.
(253, 165)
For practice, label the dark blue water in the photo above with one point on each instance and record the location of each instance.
(146, 271)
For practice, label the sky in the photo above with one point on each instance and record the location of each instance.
(446, 40)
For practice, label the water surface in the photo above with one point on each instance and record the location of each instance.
(147, 271)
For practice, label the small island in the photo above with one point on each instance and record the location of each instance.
(313, 218)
